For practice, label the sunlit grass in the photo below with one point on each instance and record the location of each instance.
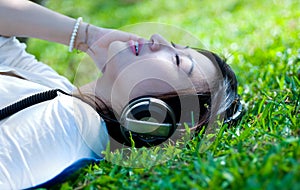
(261, 40)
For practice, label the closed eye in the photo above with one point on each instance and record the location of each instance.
(173, 44)
(177, 60)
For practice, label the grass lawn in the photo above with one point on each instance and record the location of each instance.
(261, 40)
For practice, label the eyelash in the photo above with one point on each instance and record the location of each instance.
(176, 56)
(177, 60)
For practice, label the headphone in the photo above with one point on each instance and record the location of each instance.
(147, 121)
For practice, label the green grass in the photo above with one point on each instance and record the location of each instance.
(261, 40)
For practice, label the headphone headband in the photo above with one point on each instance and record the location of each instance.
(237, 112)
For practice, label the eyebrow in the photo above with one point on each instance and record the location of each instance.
(193, 65)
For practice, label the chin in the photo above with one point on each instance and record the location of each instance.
(116, 47)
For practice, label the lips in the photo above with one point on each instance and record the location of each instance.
(136, 46)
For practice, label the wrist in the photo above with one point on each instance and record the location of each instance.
(82, 37)
(88, 34)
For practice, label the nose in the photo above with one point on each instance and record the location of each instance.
(157, 41)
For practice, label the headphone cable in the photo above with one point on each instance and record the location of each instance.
(29, 101)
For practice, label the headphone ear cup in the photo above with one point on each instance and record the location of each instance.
(148, 121)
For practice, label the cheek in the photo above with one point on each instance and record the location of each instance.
(143, 73)
(141, 70)
(115, 66)
(149, 78)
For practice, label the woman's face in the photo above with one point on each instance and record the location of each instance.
(154, 66)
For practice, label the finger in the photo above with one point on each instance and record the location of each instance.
(121, 35)
(117, 35)
(125, 36)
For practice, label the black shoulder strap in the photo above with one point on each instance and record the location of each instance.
(29, 101)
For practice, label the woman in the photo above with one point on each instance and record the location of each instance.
(45, 141)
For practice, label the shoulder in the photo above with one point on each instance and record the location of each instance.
(89, 124)
(10, 41)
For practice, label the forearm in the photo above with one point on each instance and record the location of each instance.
(26, 19)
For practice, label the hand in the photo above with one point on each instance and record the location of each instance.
(99, 41)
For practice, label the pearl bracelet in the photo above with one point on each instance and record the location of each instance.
(74, 33)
